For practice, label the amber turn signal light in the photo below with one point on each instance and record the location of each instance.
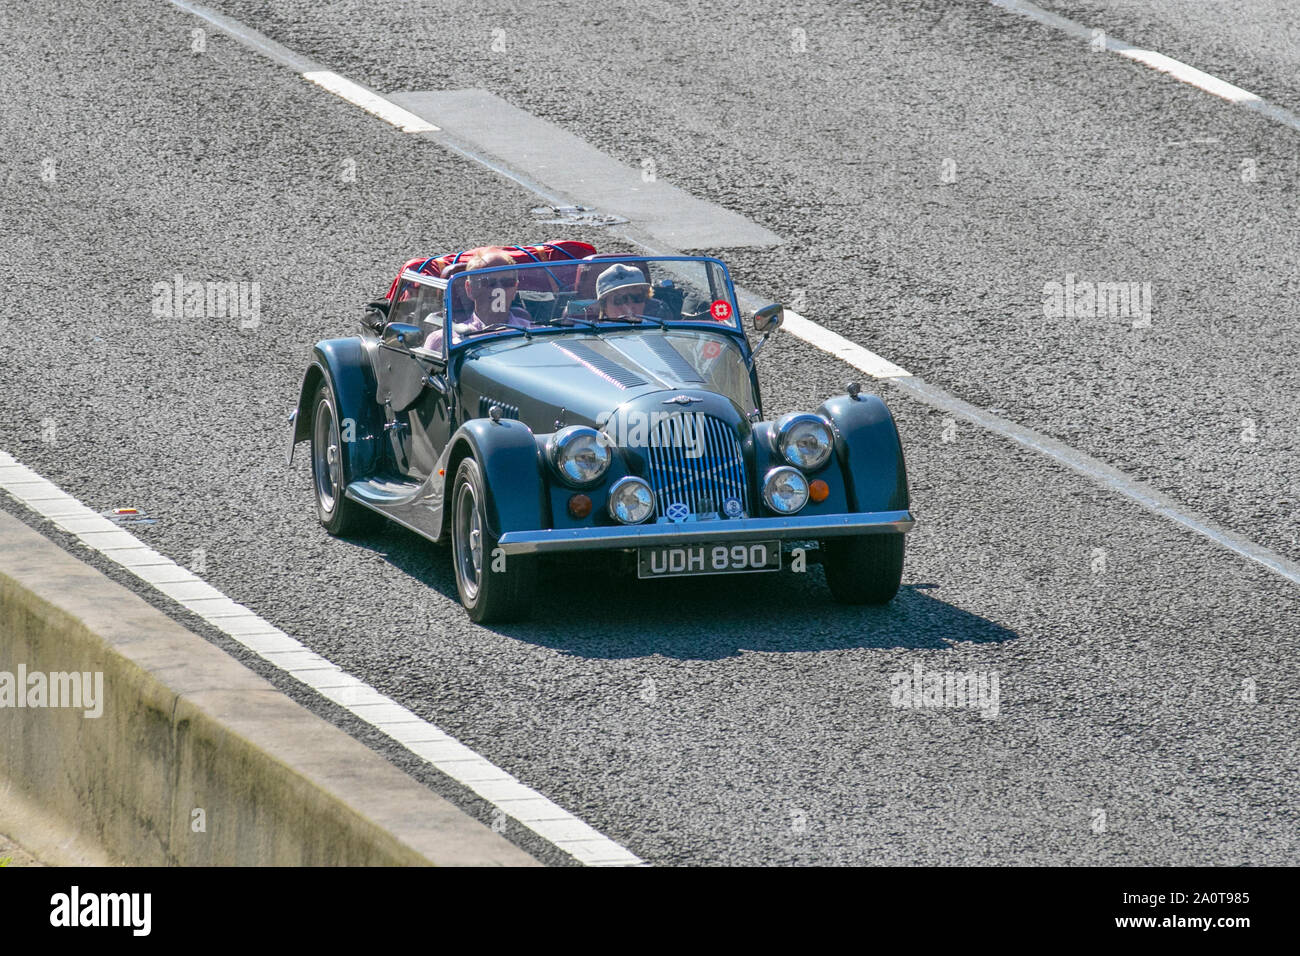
(818, 490)
(579, 505)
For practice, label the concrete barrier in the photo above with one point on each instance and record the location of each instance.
(195, 760)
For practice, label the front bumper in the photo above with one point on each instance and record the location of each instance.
(798, 527)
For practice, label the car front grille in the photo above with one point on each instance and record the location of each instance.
(696, 469)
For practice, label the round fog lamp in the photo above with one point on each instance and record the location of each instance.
(785, 490)
(630, 501)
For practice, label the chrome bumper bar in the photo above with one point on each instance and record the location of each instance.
(799, 527)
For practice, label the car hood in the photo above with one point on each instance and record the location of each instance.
(582, 379)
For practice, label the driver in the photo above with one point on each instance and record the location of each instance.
(623, 291)
(491, 295)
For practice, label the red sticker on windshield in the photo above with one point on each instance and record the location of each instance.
(721, 309)
(711, 350)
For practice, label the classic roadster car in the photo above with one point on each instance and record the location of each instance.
(560, 401)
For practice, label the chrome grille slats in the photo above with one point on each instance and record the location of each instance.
(692, 465)
(730, 461)
(718, 464)
(734, 463)
(717, 474)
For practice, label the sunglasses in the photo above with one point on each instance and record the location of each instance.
(634, 297)
(498, 282)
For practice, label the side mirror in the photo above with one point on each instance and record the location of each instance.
(766, 320)
(376, 315)
(401, 335)
(769, 318)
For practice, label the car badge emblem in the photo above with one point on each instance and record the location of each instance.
(678, 511)
(732, 507)
(680, 400)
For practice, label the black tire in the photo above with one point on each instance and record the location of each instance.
(493, 588)
(865, 569)
(338, 514)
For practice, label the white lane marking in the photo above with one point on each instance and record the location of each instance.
(1105, 475)
(1189, 75)
(340, 86)
(371, 102)
(424, 739)
(528, 144)
(250, 38)
(1156, 61)
(843, 349)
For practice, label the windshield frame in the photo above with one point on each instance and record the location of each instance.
(735, 326)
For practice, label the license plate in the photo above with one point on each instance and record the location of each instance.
(679, 560)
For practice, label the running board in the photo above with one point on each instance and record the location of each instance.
(412, 504)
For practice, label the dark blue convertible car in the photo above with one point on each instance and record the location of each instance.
(531, 401)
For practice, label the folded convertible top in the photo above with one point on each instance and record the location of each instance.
(555, 250)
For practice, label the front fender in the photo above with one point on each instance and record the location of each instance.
(507, 454)
(869, 451)
(345, 364)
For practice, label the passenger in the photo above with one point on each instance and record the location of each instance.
(492, 296)
(623, 291)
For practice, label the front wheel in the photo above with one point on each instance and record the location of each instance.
(864, 569)
(492, 586)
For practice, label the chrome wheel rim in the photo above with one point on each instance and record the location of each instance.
(467, 539)
(326, 457)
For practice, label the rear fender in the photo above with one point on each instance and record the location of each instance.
(345, 365)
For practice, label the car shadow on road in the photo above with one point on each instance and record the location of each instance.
(586, 608)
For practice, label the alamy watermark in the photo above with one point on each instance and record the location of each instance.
(633, 429)
(918, 688)
(130, 910)
(1093, 300)
(183, 298)
(80, 690)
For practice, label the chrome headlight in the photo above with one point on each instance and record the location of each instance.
(579, 454)
(631, 500)
(804, 440)
(785, 490)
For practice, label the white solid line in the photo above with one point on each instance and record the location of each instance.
(280, 650)
(371, 102)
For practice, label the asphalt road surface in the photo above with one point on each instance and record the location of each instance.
(931, 168)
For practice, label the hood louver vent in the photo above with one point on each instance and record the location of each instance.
(605, 367)
(674, 359)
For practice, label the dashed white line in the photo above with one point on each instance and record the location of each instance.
(1187, 74)
(843, 349)
(424, 739)
(1156, 61)
(373, 103)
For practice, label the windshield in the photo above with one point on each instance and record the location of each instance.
(615, 291)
